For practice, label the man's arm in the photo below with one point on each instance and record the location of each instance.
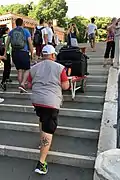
(7, 45)
(29, 79)
(111, 27)
(77, 31)
(45, 35)
(46, 38)
(30, 45)
(86, 32)
(2, 58)
(64, 80)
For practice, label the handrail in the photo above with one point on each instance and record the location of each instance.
(117, 64)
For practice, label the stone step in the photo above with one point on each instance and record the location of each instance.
(96, 55)
(61, 130)
(92, 69)
(94, 61)
(78, 98)
(68, 159)
(74, 122)
(66, 92)
(66, 104)
(25, 144)
(21, 169)
(90, 87)
(84, 113)
(90, 78)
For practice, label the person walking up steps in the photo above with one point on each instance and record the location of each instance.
(7, 62)
(2, 58)
(20, 39)
(48, 79)
(50, 32)
(40, 38)
(110, 46)
(91, 31)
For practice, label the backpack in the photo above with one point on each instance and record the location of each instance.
(17, 39)
(38, 40)
(2, 45)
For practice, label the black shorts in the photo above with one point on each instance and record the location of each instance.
(48, 118)
(21, 59)
(91, 37)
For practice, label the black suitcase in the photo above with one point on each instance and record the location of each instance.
(74, 59)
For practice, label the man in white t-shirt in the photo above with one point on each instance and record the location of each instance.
(40, 45)
(91, 31)
(50, 33)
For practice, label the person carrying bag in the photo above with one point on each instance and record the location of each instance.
(72, 36)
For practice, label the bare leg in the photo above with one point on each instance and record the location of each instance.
(94, 45)
(40, 130)
(111, 62)
(91, 43)
(25, 76)
(105, 62)
(20, 76)
(46, 140)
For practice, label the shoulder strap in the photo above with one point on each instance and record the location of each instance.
(42, 28)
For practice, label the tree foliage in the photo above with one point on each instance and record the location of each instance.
(57, 9)
(51, 9)
(82, 23)
(17, 8)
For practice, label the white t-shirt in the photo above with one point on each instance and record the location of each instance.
(56, 39)
(50, 34)
(91, 28)
(44, 31)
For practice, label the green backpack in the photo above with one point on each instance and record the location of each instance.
(17, 39)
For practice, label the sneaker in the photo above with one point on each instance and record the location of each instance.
(1, 100)
(3, 86)
(41, 168)
(104, 65)
(22, 89)
(9, 80)
(87, 74)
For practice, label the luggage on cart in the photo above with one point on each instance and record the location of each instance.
(71, 57)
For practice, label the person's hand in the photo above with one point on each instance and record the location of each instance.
(118, 20)
(5, 56)
(2, 58)
(75, 25)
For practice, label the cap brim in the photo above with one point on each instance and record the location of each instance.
(50, 53)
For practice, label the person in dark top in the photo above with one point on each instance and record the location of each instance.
(7, 62)
(21, 46)
(72, 35)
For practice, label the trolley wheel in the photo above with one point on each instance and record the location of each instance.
(83, 85)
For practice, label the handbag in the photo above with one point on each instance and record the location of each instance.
(74, 42)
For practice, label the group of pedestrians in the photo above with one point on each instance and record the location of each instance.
(91, 33)
(44, 34)
(47, 78)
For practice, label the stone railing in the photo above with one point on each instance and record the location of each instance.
(108, 159)
(117, 49)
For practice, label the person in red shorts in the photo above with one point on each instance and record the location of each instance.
(2, 58)
(40, 38)
(48, 78)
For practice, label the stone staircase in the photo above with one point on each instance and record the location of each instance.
(74, 146)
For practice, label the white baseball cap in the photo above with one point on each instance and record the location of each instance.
(48, 49)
